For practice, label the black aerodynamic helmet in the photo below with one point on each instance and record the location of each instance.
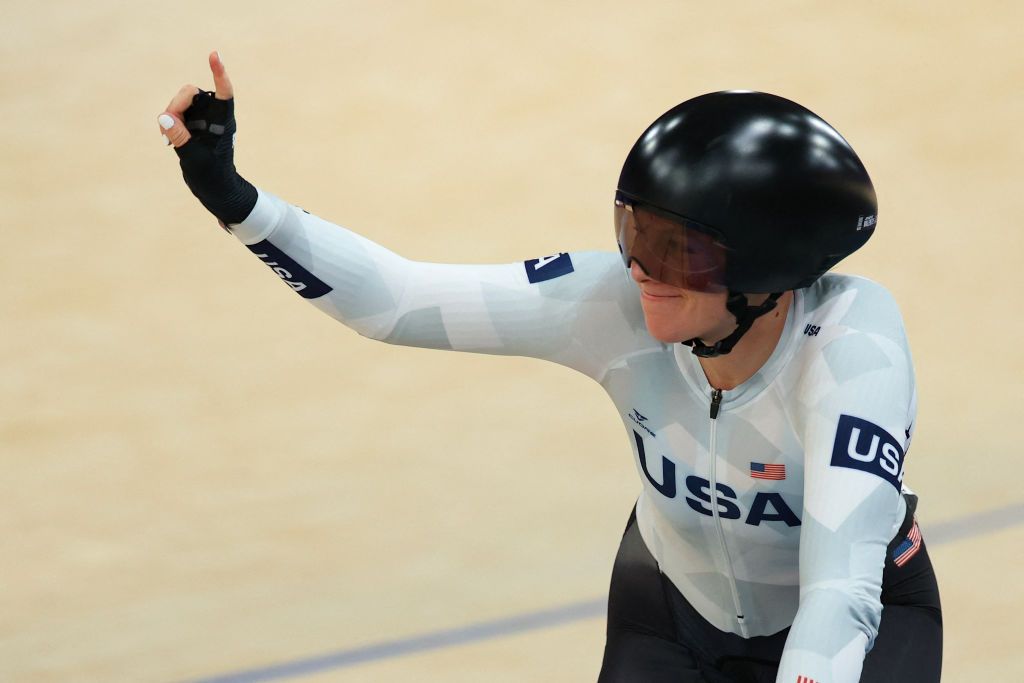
(744, 192)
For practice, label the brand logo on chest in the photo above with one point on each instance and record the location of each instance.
(639, 421)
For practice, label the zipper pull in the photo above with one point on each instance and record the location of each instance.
(716, 402)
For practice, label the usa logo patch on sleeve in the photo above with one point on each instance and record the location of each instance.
(307, 285)
(863, 445)
(548, 267)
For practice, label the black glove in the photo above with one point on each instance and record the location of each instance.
(207, 160)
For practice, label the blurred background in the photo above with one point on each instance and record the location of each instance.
(204, 475)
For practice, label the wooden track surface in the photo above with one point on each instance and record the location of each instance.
(202, 474)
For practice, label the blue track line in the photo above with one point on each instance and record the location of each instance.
(953, 530)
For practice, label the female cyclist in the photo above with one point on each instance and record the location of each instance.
(769, 404)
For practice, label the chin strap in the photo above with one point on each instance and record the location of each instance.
(745, 317)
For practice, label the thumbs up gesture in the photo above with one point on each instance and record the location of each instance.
(201, 127)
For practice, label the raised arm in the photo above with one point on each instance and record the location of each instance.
(201, 127)
(575, 309)
(566, 308)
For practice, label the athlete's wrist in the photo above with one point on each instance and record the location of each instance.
(207, 159)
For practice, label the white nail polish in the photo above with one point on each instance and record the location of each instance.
(166, 121)
(166, 141)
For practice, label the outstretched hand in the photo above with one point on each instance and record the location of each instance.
(201, 127)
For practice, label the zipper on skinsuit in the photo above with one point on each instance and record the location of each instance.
(716, 404)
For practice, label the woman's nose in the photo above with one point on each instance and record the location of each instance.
(637, 273)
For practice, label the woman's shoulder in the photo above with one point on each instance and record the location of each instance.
(851, 326)
(855, 303)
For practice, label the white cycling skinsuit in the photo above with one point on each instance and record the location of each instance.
(767, 506)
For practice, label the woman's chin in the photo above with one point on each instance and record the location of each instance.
(665, 332)
(677, 319)
(667, 338)
(670, 331)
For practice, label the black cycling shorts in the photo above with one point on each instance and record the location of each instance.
(655, 635)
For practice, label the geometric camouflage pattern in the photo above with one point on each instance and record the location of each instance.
(757, 555)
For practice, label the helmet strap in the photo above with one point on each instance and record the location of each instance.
(745, 316)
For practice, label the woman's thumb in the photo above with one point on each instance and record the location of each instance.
(174, 130)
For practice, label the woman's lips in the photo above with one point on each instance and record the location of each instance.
(653, 296)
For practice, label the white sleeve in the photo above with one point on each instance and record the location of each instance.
(572, 309)
(855, 439)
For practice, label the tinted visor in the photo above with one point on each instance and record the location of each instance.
(674, 252)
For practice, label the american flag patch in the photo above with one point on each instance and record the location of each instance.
(805, 679)
(760, 470)
(902, 553)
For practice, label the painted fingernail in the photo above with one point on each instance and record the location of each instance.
(166, 141)
(166, 121)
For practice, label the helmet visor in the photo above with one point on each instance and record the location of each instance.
(674, 252)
